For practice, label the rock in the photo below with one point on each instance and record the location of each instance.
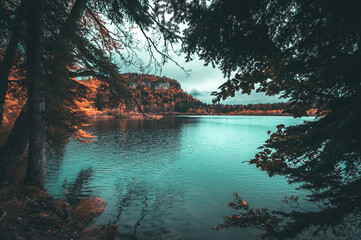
(30, 213)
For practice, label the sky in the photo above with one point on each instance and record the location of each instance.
(199, 80)
(202, 80)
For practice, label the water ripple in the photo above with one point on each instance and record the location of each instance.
(171, 179)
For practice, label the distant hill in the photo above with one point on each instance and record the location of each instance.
(162, 95)
(153, 95)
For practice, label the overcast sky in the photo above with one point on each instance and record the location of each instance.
(200, 80)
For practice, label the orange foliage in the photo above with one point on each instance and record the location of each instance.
(86, 211)
(312, 112)
(14, 102)
(16, 98)
(83, 136)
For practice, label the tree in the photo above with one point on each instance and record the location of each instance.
(35, 174)
(71, 41)
(308, 52)
(9, 55)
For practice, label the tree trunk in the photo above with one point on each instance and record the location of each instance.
(14, 148)
(62, 58)
(62, 48)
(8, 59)
(37, 160)
(36, 168)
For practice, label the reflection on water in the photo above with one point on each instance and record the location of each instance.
(171, 178)
(75, 191)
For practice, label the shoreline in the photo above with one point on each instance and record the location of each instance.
(158, 116)
(26, 212)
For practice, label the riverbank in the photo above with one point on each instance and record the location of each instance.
(26, 212)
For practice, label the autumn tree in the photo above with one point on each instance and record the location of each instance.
(12, 74)
(72, 40)
(307, 52)
(9, 47)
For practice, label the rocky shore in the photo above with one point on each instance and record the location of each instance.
(27, 212)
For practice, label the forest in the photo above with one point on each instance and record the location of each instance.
(57, 67)
(161, 95)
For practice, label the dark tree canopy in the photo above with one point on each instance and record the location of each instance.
(74, 39)
(309, 52)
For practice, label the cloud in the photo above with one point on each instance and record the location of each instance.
(253, 98)
(200, 81)
(195, 93)
(205, 96)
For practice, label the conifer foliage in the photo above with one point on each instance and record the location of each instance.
(309, 52)
(46, 52)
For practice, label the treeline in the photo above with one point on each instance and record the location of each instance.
(153, 94)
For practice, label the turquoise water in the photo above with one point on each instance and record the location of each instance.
(171, 178)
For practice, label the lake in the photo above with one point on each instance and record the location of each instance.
(171, 178)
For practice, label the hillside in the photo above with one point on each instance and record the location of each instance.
(152, 94)
(162, 95)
